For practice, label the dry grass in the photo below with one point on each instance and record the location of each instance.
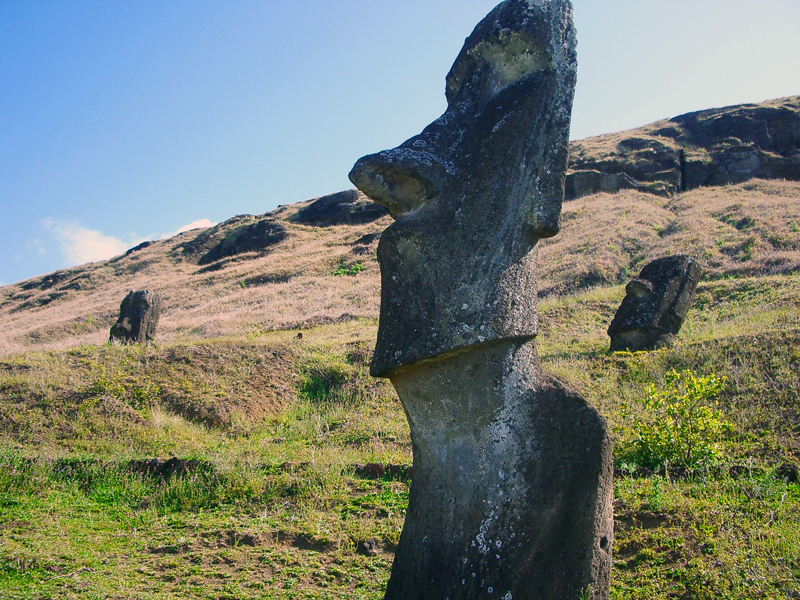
(751, 229)
(291, 286)
(734, 231)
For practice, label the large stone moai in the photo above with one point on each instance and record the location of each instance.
(138, 318)
(512, 489)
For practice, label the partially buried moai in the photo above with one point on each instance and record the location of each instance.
(655, 304)
(512, 489)
(138, 318)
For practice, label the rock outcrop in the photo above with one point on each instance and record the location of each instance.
(709, 147)
(254, 237)
(350, 207)
(138, 318)
(655, 305)
(512, 472)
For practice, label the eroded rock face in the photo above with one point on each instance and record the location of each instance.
(655, 305)
(709, 147)
(138, 318)
(512, 471)
(254, 237)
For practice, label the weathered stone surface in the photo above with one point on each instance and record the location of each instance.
(475, 190)
(512, 472)
(710, 147)
(512, 492)
(238, 235)
(350, 207)
(254, 237)
(655, 304)
(138, 318)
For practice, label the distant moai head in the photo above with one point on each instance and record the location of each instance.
(138, 318)
(655, 305)
(473, 193)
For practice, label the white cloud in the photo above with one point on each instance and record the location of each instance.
(199, 224)
(80, 245)
(36, 246)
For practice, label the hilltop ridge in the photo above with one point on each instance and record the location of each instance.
(704, 148)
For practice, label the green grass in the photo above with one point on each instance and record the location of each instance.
(276, 505)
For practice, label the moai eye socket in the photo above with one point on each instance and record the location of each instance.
(493, 65)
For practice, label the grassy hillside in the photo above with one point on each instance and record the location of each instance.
(293, 464)
(748, 229)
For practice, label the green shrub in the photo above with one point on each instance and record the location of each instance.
(322, 376)
(679, 425)
(345, 269)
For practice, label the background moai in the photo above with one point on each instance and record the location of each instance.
(512, 484)
(138, 318)
(655, 304)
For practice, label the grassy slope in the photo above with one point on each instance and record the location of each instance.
(278, 505)
(748, 229)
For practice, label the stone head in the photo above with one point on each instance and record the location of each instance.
(655, 304)
(473, 193)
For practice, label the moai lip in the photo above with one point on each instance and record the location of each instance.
(512, 488)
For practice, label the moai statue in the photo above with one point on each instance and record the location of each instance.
(512, 489)
(138, 318)
(655, 305)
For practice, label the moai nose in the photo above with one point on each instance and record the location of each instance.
(401, 180)
(544, 221)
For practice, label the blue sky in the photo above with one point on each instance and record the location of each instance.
(125, 121)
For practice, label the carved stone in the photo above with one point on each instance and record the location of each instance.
(655, 305)
(512, 488)
(138, 318)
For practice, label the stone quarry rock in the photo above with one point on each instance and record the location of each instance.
(710, 147)
(350, 207)
(655, 304)
(512, 471)
(253, 237)
(138, 318)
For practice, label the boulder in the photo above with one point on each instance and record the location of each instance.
(253, 237)
(655, 305)
(138, 318)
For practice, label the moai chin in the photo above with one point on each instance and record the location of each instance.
(512, 489)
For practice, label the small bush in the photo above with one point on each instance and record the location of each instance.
(331, 379)
(345, 269)
(679, 425)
